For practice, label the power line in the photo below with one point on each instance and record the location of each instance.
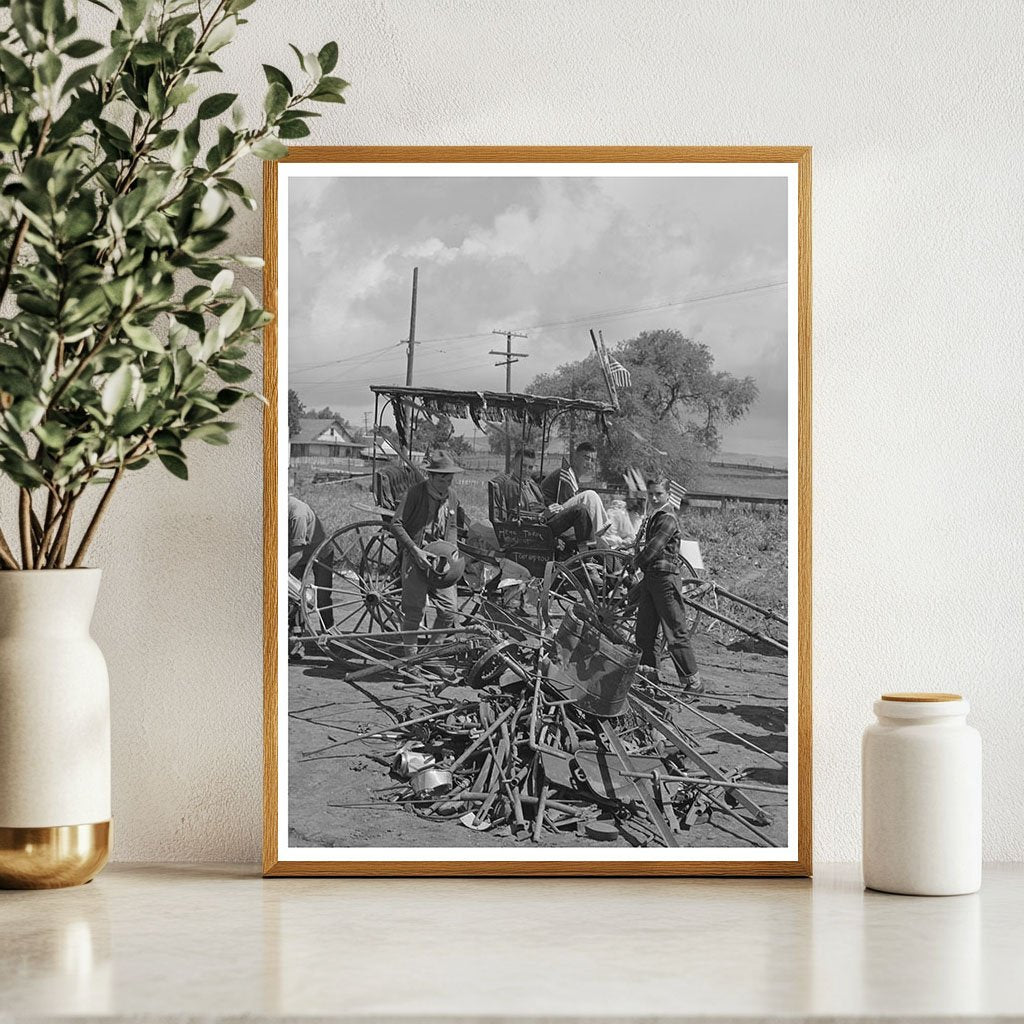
(615, 313)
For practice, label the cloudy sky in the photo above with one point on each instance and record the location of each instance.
(549, 257)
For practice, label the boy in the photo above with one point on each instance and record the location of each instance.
(661, 601)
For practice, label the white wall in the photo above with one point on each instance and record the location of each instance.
(914, 113)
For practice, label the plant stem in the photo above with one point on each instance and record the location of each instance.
(87, 356)
(60, 544)
(25, 522)
(6, 554)
(94, 523)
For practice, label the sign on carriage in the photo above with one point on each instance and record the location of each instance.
(537, 535)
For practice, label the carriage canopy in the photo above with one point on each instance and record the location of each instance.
(484, 407)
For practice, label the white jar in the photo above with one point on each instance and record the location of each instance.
(921, 779)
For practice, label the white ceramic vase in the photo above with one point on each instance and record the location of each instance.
(921, 773)
(54, 731)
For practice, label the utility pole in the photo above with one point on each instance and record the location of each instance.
(411, 342)
(507, 363)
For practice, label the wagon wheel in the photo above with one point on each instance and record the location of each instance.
(352, 583)
(600, 580)
(692, 586)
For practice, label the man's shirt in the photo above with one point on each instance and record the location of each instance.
(510, 494)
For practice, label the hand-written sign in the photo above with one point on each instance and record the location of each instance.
(525, 537)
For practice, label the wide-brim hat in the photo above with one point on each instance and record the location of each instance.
(442, 462)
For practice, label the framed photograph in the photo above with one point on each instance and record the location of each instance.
(537, 511)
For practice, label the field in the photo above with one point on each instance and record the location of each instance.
(742, 480)
(744, 550)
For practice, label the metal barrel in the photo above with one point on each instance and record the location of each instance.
(598, 672)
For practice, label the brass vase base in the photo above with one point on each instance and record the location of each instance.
(54, 857)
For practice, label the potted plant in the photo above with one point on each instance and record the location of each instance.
(122, 340)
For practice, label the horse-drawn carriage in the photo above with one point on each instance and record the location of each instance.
(518, 571)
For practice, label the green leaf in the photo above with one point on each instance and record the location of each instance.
(276, 99)
(149, 53)
(269, 149)
(233, 373)
(83, 48)
(133, 12)
(181, 93)
(16, 70)
(293, 130)
(156, 100)
(328, 57)
(211, 433)
(26, 413)
(78, 78)
(116, 390)
(184, 44)
(221, 35)
(174, 464)
(144, 338)
(216, 104)
(232, 319)
(49, 68)
(222, 282)
(334, 84)
(274, 75)
(53, 435)
(324, 96)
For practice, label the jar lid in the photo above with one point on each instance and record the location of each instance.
(921, 698)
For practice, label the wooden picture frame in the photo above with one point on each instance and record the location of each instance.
(282, 860)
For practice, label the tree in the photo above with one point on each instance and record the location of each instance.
(496, 433)
(672, 413)
(296, 410)
(126, 337)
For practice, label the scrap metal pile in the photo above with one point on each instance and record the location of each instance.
(539, 733)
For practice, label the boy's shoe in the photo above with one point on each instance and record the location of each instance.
(692, 684)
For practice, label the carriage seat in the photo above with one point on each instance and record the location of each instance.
(391, 483)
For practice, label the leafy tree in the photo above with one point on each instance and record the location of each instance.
(497, 433)
(296, 410)
(116, 190)
(672, 413)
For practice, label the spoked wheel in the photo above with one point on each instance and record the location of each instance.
(692, 587)
(352, 583)
(600, 581)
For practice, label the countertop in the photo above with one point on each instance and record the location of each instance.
(175, 942)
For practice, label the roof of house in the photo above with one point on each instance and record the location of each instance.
(311, 429)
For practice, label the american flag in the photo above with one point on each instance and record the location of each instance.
(567, 479)
(676, 492)
(619, 374)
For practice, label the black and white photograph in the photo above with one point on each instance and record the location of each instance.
(537, 497)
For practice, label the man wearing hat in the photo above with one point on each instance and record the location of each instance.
(429, 511)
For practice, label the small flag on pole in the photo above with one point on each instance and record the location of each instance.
(619, 374)
(567, 479)
(676, 493)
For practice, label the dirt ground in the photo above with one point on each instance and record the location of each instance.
(746, 694)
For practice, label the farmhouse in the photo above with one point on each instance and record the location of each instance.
(322, 441)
